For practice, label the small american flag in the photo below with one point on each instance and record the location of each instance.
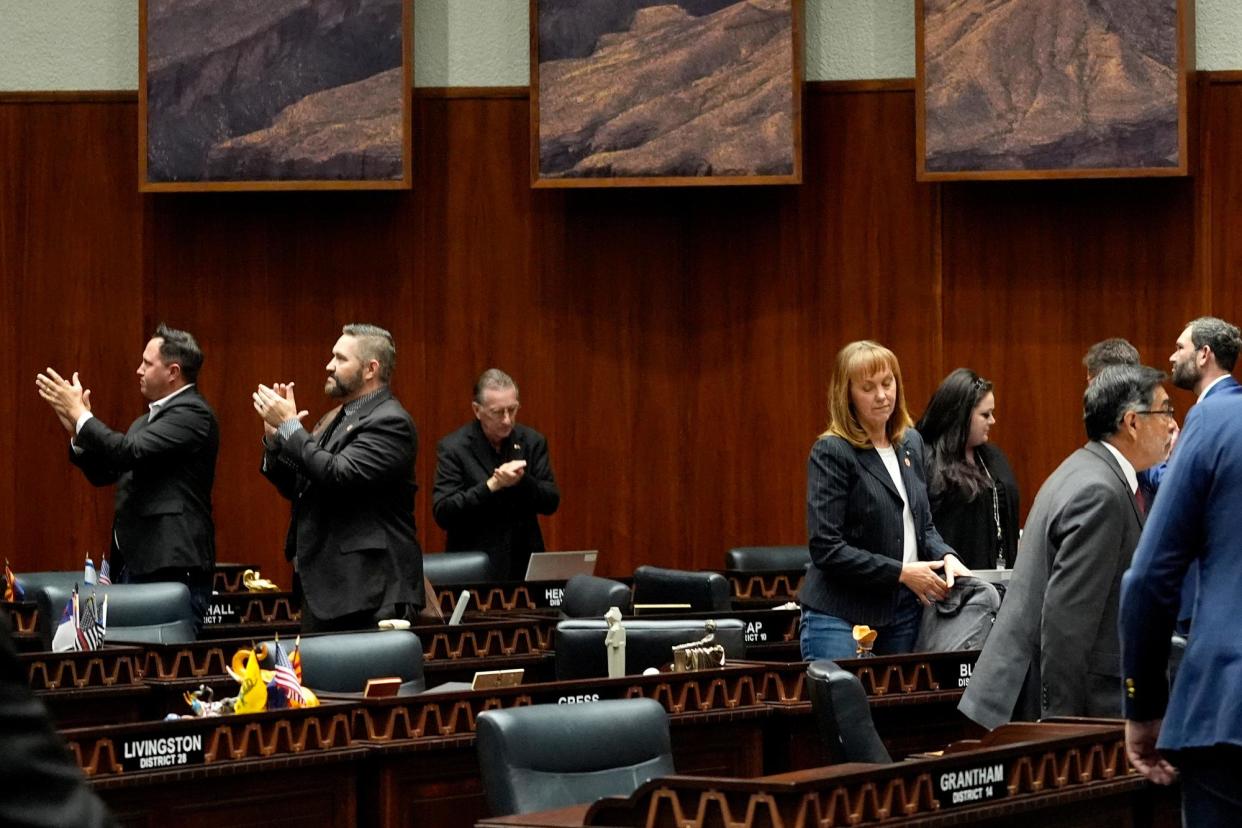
(90, 628)
(105, 572)
(286, 678)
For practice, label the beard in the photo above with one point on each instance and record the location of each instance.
(337, 386)
(1185, 374)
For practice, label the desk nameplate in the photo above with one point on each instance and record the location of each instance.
(119, 750)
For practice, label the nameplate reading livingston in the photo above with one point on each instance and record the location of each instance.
(161, 752)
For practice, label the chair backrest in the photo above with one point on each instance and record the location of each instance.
(156, 613)
(580, 652)
(342, 663)
(703, 591)
(33, 580)
(552, 755)
(589, 596)
(767, 558)
(457, 568)
(843, 715)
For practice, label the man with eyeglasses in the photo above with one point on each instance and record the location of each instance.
(493, 477)
(1053, 650)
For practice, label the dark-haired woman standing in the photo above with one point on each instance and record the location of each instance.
(974, 495)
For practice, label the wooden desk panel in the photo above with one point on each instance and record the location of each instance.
(426, 771)
(24, 622)
(261, 794)
(1017, 775)
(913, 702)
(414, 759)
(424, 785)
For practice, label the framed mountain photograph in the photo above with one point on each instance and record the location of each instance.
(279, 94)
(1052, 89)
(665, 92)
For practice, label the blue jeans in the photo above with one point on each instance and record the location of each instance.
(827, 636)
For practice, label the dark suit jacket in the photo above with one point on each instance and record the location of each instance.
(501, 523)
(1196, 518)
(969, 526)
(352, 531)
(1056, 632)
(163, 471)
(42, 784)
(853, 515)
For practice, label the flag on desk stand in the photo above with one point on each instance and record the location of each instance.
(105, 574)
(90, 627)
(286, 679)
(296, 659)
(12, 589)
(88, 572)
(66, 637)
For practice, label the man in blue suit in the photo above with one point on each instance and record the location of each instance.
(1205, 355)
(1196, 733)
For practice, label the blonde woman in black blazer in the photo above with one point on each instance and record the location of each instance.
(877, 558)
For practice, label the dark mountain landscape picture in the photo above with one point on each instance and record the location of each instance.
(1050, 84)
(275, 91)
(636, 89)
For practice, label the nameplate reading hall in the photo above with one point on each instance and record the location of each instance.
(221, 610)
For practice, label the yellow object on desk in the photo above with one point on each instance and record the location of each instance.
(254, 582)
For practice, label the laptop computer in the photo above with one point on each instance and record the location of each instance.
(560, 566)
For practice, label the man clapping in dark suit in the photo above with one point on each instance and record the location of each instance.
(163, 466)
(493, 477)
(351, 483)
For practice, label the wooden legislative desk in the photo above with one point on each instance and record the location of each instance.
(236, 613)
(400, 761)
(411, 760)
(425, 772)
(121, 684)
(913, 701)
(1025, 774)
(286, 767)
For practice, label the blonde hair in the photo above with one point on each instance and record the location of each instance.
(855, 362)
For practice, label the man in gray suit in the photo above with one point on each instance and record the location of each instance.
(1054, 649)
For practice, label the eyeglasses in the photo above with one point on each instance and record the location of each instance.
(1167, 411)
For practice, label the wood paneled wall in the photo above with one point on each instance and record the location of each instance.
(673, 345)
